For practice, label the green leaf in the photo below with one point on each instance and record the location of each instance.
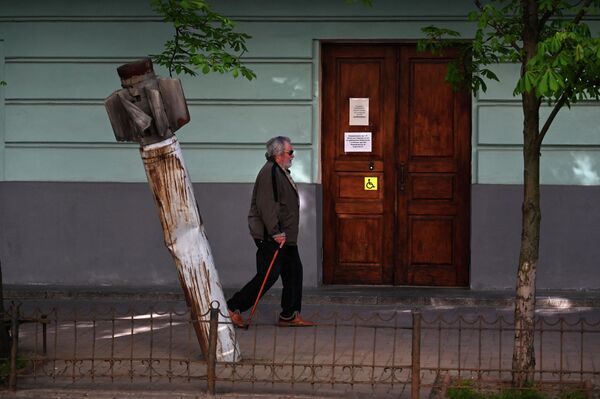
(563, 59)
(529, 80)
(542, 85)
(554, 44)
(489, 74)
(527, 83)
(248, 73)
(579, 53)
(553, 81)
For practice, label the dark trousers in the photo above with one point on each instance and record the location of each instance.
(287, 265)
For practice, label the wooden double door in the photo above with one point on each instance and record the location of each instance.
(396, 167)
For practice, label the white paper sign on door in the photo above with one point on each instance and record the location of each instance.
(357, 142)
(359, 112)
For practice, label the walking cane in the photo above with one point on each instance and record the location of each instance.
(262, 287)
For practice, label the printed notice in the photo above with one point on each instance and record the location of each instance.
(357, 142)
(359, 112)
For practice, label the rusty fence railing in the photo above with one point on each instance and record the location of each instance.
(380, 354)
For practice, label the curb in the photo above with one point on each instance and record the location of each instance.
(360, 296)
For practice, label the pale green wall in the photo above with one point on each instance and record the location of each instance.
(571, 153)
(61, 64)
(61, 58)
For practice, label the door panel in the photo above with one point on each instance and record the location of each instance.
(435, 201)
(351, 186)
(413, 229)
(429, 186)
(358, 246)
(431, 241)
(431, 110)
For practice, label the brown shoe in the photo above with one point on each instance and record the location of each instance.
(296, 321)
(236, 319)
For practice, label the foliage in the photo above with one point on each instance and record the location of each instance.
(2, 83)
(204, 40)
(573, 395)
(526, 393)
(465, 389)
(5, 368)
(368, 3)
(564, 67)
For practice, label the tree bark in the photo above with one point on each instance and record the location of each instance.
(523, 352)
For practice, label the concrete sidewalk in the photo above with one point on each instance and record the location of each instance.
(153, 334)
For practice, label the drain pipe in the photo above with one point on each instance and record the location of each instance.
(148, 110)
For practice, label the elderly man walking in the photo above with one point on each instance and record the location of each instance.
(273, 221)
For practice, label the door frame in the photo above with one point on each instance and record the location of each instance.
(327, 275)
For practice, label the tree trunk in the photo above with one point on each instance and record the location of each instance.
(523, 363)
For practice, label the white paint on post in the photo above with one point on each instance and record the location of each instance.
(186, 239)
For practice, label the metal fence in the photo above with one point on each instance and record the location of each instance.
(380, 354)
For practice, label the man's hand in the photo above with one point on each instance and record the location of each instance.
(279, 239)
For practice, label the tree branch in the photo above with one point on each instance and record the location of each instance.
(567, 93)
(582, 12)
(176, 42)
(559, 104)
(499, 28)
(548, 14)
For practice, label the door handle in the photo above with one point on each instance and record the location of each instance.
(402, 179)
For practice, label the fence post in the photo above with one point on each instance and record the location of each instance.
(211, 361)
(14, 332)
(416, 356)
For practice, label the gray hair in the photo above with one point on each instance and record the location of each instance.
(276, 146)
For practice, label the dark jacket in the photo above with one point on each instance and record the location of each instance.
(275, 208)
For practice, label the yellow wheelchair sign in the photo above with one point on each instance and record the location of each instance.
(371, 183)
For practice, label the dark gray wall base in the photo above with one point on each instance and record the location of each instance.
(108, 234)
(570, 232)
